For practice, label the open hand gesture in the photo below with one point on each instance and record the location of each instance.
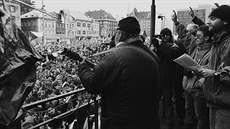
(192, 14)
(174, 16)
(217, 5)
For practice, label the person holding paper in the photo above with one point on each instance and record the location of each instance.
(195, 103)
(217, 84)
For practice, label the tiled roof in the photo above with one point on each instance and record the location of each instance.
(80, 15)
(140, 15)
(99, 14)
(77, 15)
(37, 14)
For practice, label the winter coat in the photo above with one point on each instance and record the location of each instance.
(127, 81)
(192, 83)
(217, 89)
(167, 52)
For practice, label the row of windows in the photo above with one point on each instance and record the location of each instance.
(48, 25)
(33, 23)
(60, 32)
(83, 24)
(50, 32)
(24, 24)
(61, 25)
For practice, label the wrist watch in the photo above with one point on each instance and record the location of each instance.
(216, 74)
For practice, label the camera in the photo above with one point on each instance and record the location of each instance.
(155, 40)
(158, 36)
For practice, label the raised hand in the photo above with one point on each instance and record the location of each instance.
(192, 14)
(217, 5)
(174, 16)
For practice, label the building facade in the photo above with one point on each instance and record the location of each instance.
(94, 29)
(202, 12)
(14, 8)
(38, 22)
(60, 25)
(78, 25)
(107, 23)
(144, 19)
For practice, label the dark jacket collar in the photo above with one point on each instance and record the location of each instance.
(218, 37)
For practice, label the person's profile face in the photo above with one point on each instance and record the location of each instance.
(200, 39)
(215, 24)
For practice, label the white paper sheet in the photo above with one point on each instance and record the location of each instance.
(187, 62)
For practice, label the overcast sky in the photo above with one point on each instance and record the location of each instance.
(122, 7)
(119, 8)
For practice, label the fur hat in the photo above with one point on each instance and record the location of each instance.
(222, 12)
(130, 25)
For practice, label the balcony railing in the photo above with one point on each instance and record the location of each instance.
(93, 99)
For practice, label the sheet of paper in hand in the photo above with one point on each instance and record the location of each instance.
(187, 62)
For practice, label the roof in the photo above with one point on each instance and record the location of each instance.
(99, 14)
(36, 14)
(77, 15)
(140, 15)
(80, 15)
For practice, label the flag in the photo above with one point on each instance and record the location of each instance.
(17, 71)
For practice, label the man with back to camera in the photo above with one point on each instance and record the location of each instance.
(127, 79)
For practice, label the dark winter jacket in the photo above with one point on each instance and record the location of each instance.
(217, 89)
(127, 81)
(167, 52)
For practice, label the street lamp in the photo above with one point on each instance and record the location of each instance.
(153, 14)
(43, 28)
(162, 21)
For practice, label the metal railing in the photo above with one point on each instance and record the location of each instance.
(94, 100)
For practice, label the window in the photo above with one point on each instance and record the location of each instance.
(88, 25)
(78, 32)
(83, 24)
(12, 9)
(78, 24)
(83, 32)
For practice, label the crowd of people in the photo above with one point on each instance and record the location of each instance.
(57, 74)
(203, 101)
(136, 79)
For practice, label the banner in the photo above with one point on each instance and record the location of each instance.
(17, 71)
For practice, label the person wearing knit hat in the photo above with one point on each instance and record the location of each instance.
(127, 78)
(216, 88)
(220, 15)
(130, 25)
(128, 28)
(222, 12)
